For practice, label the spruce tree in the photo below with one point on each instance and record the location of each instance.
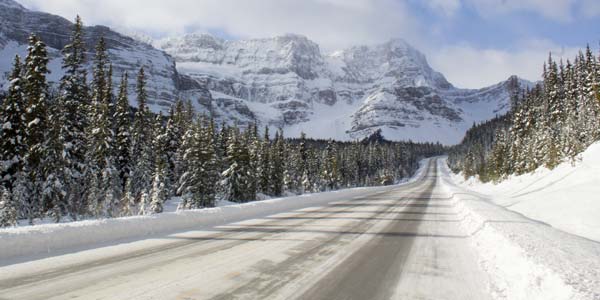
(264, 168)
(8, 208)
(141, 147)
(75, 105)
(122, 119)
(35, 117)
(237, 178)
(330, 175)
(277, 167)
(13, 128)
(158, 194)
(198, 183)
(54, 165)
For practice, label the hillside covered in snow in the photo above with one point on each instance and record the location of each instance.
(565, 197)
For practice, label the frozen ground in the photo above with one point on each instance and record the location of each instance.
(567, 197)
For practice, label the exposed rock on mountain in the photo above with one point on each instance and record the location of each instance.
(126, 54)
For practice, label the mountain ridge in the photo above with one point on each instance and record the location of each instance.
(389, 86)
(283, 82)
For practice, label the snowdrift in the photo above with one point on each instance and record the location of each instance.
(525, 258)
(567, 197)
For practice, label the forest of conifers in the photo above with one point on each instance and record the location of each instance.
(78, 150)
(554, 121)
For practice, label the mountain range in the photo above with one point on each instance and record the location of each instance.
(284, 82)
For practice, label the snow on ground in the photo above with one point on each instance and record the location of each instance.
(526, 258)
(567, 197)
(30, 242)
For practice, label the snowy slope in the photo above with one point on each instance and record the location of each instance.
(567, 197)
(345, 95)
(527, 258)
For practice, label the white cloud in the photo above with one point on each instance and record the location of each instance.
(331, 23)
(445, 7)
(467, 66)
(560, 10)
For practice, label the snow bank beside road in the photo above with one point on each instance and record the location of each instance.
(525, 258)
(50, 239)
(567, 197)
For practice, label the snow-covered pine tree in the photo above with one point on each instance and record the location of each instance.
(198, 183)
(253, 143)
(12, 128)
(158, 195)
(74, 103)
(264, 167)
(330, 174)
(188, 152)
(277, 156)
(237, 178)
(35, 116)
(101, 152)
(122, 119)
(8, 208)
(172, 143)
(128, 204)
(141, 141)
(54, 201)
(144, 208)
(209, 174)
(160, 149)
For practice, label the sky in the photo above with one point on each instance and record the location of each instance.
(474, 43)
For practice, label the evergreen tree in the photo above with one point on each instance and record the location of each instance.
(8, 209)
(74, 105)
(141, 146)
(198, 182)
(128, 205)
(330, 175)
(12, 129)
(277, 165)
(101, 152)
(122, 120)
(35, 116)
(158, 195)
(54, 166)
(264, 168)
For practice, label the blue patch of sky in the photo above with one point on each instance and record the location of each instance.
(505, 30)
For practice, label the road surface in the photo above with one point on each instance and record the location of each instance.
(405, 243)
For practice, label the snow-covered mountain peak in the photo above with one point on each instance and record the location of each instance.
(284, 81)
(394, 60)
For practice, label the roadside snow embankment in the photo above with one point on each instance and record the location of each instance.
(567, 197)
(525, 258)
(31, 242)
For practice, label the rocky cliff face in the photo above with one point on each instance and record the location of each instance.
(284, 82)
(126, 54)
(347, 94)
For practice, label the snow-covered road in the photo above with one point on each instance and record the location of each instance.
(402, 243)
(414, 241)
